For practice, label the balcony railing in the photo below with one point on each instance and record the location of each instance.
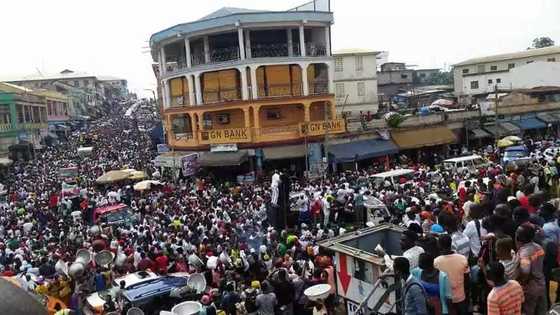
(315, 50)
(33, 125)
(319, 87)
(216, 56)
(274, 50)
(278, 129)
(221, 95)
(294, 89)
(5, 127)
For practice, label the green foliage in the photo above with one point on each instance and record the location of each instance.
(440, 78)
(541, 42)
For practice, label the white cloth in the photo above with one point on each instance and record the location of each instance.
(472, 234)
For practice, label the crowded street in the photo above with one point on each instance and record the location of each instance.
(483, 223)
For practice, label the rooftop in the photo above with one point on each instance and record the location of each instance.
(66, 74)
(509, 56)
(226, 11)
(12, 88)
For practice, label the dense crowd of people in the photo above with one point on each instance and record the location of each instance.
(484, 241)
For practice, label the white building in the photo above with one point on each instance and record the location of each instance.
(524, 69)
(355, 78)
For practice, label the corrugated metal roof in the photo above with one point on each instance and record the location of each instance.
(355, 51)
(509, 56)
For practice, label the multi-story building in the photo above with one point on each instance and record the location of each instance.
(355, 81)
(249, 78)
(23, 117)
(477, 77)
(114, 87)
(58, 106)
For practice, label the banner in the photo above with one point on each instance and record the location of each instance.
(189, 164)
(316, 128)
(231, 135)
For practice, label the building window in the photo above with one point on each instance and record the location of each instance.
(474, 85)
(404, 76)
(422, 75)
(511, 65)
(498, 80)
(530, 61)
(465, 71)
(339, 90)
(481, 68)
(361, 89)
(223, 119)
(493, 68)
(359, 63)
(338, 65)
(489, 81)
(273, 114)
(76, 83)
(551, 59)
(86, 83)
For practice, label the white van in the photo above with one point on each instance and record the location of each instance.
(394, 177)
(465, 164)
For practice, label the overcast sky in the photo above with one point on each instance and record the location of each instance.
(110, 37)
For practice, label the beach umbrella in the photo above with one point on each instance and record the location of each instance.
(112, 177)
(145, 185)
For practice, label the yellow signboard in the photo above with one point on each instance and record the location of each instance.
(232, 135)
(316, 128)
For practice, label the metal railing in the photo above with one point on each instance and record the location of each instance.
(34, 125)
(221, 95)
(315, 50)
(6, 127)
(294, 89)
(274, 50)
(319, 87)
(216, 56)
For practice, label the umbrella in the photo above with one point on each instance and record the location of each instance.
(505, 143)
(512, 138)
(112, 176)
(5, 162)
(146, 184)
(134, 175)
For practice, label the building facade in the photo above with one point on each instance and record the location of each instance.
(247, 78)
(355, 81)
(525, 69)
(58, 106)
(23, 117)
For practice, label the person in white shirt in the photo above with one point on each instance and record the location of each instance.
(474, 230)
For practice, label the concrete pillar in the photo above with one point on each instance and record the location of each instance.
(192, 100)
(328, 40)
(13, 116)
(188, 52)
(206, 50)
(257, 122)
(248, 44)
(254, 83)
(290, 42)
(167, 94)
(194, 124)
(198, 89)
(304, 78)
(241, 43)
(302, 41)
(162, 60)
(306, 112)
(244, 85)
(330, 71)
(247, 117)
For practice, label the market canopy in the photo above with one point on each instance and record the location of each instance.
(549, 118)
(284, 152)
(530, 123)
(213, 159)
(495, 130)
(146, 185)
(479, 133)
(112, 177)
(423, 137)
(361, 150)
(510, 129)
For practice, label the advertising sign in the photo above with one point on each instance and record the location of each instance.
(189, 164)
(231, 135)
(316, 128)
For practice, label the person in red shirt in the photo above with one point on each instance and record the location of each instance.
(162, 263)
(145, 263)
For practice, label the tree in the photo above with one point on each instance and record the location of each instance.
(440, 78)
(541, 42)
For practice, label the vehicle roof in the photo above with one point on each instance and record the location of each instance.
(154, 287)
(136, 277)
(463, 158)
(110, 208)
(398, 172)
(517, 148)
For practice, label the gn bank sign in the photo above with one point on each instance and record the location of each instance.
(231, 135)
(316, 128)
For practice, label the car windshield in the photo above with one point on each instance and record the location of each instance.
(448, 165)
(115, 216)
(515, 154)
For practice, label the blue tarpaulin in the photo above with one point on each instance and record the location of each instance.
(361, 150)
(529, 123)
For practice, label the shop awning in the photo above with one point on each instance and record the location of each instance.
(479, 133)
(509, 128)
(495, 130)
(548, 118)
(284, 152)
(213, 159)
(361, 150)
(423, 137)
(530, 123)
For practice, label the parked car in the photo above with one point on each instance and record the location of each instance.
(465, 164)
(154, 296)
(516, 156)
(393, 178)
(119, 214)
